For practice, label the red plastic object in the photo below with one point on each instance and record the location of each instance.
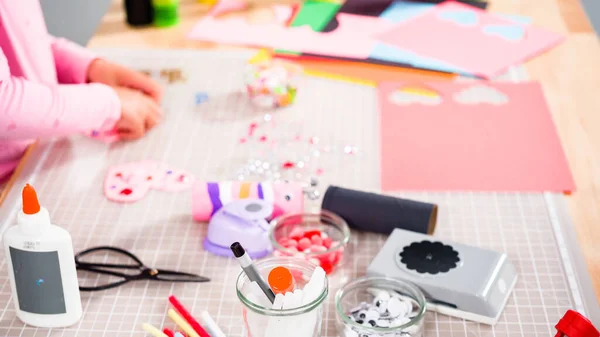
(573, 324)
(188, 317)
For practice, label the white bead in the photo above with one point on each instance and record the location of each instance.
(383, 295)
(372, 314)
(396, 308)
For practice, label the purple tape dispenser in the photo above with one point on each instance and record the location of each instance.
(245, 221)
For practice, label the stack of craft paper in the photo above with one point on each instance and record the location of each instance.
(451, 37)
(469, 39)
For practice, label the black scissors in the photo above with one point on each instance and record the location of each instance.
(145, 273)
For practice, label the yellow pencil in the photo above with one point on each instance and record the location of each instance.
(153, 331)
(182, 324)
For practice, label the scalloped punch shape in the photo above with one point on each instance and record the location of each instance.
(415, 95)
(465, 18)
(480, 94)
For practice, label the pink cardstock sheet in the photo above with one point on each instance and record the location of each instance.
(471, 136)
(471, 39)
(353, 38)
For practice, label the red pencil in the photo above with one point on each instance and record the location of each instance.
(168, 332)
(188, 317)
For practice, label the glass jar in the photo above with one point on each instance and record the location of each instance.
(264, 321)
(357, 300)
(328, 252)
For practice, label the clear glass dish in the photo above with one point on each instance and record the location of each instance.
(329, 224)
(360, 292)
(262, 321)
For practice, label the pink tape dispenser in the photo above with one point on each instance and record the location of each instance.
(209, 197)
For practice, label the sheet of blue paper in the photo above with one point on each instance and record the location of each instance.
(402, 11)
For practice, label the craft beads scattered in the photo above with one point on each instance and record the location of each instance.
(313, 246)
(269, 85)
(386, 311)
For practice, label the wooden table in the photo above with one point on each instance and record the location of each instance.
(570, 75)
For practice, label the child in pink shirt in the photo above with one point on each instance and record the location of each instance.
(51, 87)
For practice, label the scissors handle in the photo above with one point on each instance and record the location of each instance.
(174, 276)
(108, 249)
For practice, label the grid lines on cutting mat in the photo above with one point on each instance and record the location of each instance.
(204, 140)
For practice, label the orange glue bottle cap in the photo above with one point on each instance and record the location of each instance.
(33, 218)
(281, 280)
(31, 205)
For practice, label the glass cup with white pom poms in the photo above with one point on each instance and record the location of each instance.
(380, 306)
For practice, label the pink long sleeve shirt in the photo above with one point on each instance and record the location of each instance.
(43, 89)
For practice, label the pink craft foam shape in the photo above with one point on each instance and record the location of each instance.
(176, 181)
(353, 37)
(465, 45)
(138, 178)
(125, 183)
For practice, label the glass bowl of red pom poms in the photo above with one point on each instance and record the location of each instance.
(320, 238)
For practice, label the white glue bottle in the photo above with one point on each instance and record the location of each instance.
(41, 266)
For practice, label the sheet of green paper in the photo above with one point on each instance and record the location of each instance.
(316, 14)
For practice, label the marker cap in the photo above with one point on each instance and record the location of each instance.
(281, 280)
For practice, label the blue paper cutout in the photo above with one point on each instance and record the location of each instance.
(524, 20)
(509, 32)
(401, 11)
(464, 18)
(201, 97)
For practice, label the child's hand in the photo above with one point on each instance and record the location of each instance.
(101, 71)
(139, 114)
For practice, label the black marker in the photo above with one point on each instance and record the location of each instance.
(248, 267)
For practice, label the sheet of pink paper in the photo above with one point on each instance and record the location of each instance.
(465, 45)
(226, 6)
(353, 37)
(487, 145)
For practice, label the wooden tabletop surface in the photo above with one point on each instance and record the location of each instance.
(570, 75)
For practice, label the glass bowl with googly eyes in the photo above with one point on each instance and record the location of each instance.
(320, 238)
(380, 306)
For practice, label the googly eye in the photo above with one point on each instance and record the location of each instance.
(288, 197)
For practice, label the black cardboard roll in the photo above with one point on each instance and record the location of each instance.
(139, 12)
(378, 213)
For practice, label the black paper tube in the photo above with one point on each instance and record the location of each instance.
(378, 213)
(139, 12)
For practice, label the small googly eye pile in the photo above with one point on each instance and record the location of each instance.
(312, 245)
(386, 311)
